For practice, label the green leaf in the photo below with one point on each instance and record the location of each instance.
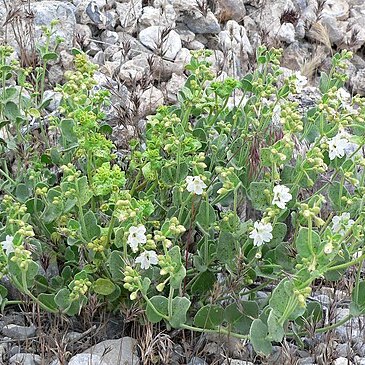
(48, 300)
(22, 192)
(257, 195)
(160, 303)
(84, 192)
(278, 234)
(203, 283)
(240, 315)
(357, 306)
(33, 112)
(92, 228)
(276, 331)
(335, 192)
(67, 130)
(50, 56)
(324, 82)
(103, 286)
(116, 266)
(180, 307)
(30, 274)
(11, 110)
(258, 337)
(302, 243)
(206, 215)
(226, 247)
(209, 316)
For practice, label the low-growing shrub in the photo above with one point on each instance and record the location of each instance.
(236, 190)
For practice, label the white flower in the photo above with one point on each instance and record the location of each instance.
(300, 82)
(276, 115)
(146, 259)
(343, 96)
(8, 245)
(337, 146)
(136, 236)
(341, 224)
(281, 196)
(328, 248)
(261, 233)
(195, 185)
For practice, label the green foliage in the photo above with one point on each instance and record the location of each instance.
(212, 204)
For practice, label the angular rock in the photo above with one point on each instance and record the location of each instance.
(237, 362)
(134, 69)
(25, 359)
(89, 12)
(87, 359)
(18, 332)
(338, 9)
(109, 38)
(230, 10)
(83, 34)
(150, 100)
(342, 361)
(202, 24)
(129, 13)
(163, 16)
(196, 361)
(55, 101)
(162, 41)
(286, 33)
(112, 352)
(358, 82)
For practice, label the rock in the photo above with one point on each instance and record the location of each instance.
(129, 13)
(237, 362)
(109, 38)
(25, 359)
(286, 33)
(87, 359)
(67, 60)
(47, 11)
(323, 299)
(359, 348)
(83, 34)
(55, 101)
(295, 55)
(336, 29)
(359, 360)
(202, 24)
(306, 361)
(131, 46)
(18, 332)
(164, 16)
(55, 74)
(88, 12)
(358, 82)
(235, 43)
(164, 42)
(99, 58)
(173, 86)
(195, 45)
(230, 10)
(196, 361)
(134, 69)
(185, 34)
(343, 350)
(93, 48)
(121, 351)
(182, 58)
(150, 100)
(338, 9)
(342, 361)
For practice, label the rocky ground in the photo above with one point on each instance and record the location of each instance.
(141, 47)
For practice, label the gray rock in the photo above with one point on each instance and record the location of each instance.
(237, 362)
(342, 361)
(358, 82)
(134, 69)
(163, 16)
(338, 9)
(150, 100)
(306, 361)
(286, 33)
(359, 360)
(196, 361)
(185, 34)
(230, 10)
(83, 34)
(99, 58)
(163, 43)
(87, 359)
(336, 29)
(25, 359)
(18, 332)
(129, 13)
(55, 101)
(109, 38)
(343, 350)
(46, 11)
(195, 45)
(89, 12)
(112, 352)
(55, 74)
(359, 348)
(200, 24)
(93, 48)
(67, 60)
(173, 86)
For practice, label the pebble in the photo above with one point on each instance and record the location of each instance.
(18, 332)
(25, 359)
(196, 361)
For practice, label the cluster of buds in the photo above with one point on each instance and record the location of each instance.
(311, 213)
(290, 118)
(225, 175)
(302, 295)
(98, 244)
(22, 257)
(12, 208)
(26, 230)
(175, 227)
(80, 287)
(159, 237)
(314, 161)
(3, 268)
(166, 264)
(70, 172)
(124, 210)
(199, 164)
(132, 281)
(41, 191)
